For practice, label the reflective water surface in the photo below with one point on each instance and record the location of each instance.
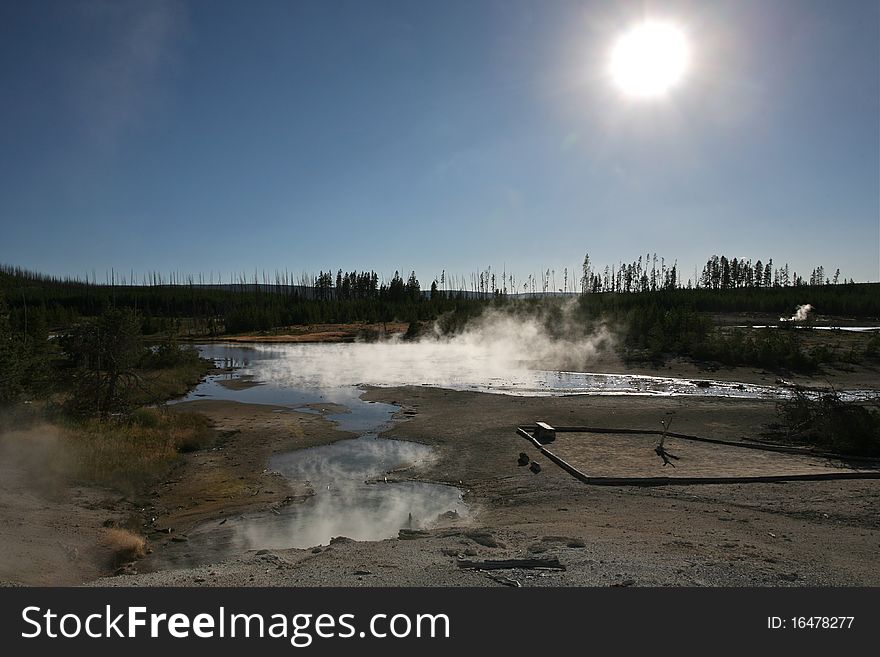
(353, 496)
(293, 374)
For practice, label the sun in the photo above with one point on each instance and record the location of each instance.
(649, 59)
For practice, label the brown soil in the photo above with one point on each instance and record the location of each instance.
(621, 455)
(53, 532)
(318, 333)
(232, 478)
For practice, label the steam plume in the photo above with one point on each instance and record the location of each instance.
(801, 314)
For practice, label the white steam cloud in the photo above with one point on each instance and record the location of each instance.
(499, 346)
(801, 314)
(344, 503)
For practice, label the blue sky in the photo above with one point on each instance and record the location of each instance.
(232, 136)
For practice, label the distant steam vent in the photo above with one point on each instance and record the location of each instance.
(801, 314)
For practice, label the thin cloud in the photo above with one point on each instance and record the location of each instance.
(118, 83)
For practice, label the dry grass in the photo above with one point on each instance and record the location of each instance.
(124, 545)
(131, 453)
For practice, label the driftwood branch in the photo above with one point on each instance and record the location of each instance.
(551, 563)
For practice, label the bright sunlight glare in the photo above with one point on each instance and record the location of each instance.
(649, 59)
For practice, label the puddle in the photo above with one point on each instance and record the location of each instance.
(351, 498)
(354, 481)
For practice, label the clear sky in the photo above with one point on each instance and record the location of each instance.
(457, 134)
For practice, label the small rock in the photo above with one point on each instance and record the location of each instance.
(535, 467)
(126, 569)
(484, 538)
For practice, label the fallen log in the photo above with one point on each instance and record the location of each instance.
(551, 563)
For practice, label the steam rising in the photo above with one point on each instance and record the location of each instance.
(36, 460)
(801, 314)
(344, 504)
(351, 497)
(496, 347)
(47, 534)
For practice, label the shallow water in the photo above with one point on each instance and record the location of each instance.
(294, 373)
(853, 329)
(293, 392)
(353, 496)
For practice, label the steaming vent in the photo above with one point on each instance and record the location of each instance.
(801, 314)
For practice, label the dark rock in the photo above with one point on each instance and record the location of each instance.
(535, 467)
(410, 534)
(484, 538)
(523, 458)
(550, 563)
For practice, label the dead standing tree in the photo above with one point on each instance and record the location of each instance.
(660, 450)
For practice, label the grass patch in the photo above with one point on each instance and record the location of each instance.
(124, 545)
(158, 385)
(128, 454)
